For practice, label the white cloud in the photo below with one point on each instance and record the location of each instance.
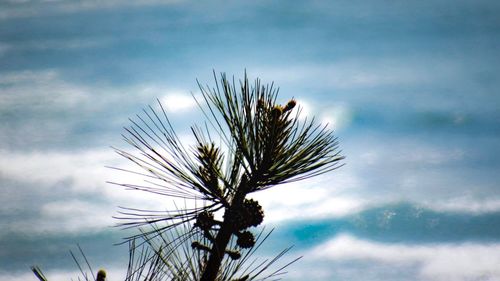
(465, 204)
(27, 76)
(358, 73)
(446, 261)
(71, 191)
(55, 44)
(48, 91)
(337, 117)
(84, 171)
(44, 108)
(34, 89)
(59, 192)
(67, 216)
(321, 197)
(428, 173)
(421, 153)
(178, 102)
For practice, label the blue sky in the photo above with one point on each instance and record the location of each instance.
(410, 88)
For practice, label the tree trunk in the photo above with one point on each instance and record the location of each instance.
(222, 240)
(217, 253)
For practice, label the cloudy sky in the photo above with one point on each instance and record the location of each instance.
(410, 88)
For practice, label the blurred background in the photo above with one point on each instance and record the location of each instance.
(409, 87)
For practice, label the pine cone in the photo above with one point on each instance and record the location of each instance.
(245, 239)
(254, 211)
(249, 214)
(234, 255)
(205, 220)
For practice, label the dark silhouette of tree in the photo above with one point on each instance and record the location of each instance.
(248, 144)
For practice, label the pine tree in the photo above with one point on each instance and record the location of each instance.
(250, 143)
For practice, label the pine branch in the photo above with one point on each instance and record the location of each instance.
(259, 144)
